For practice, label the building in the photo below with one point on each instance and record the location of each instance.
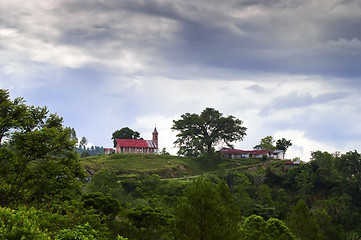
(109, 150)
(138, 146)
(238, 154)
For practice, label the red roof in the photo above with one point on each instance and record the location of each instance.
(261, 151)
(288, 163)
(233, 151)
(135, 143)
(237, 151)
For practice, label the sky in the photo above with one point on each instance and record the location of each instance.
(287, 68)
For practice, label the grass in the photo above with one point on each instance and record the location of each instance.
(166, 166)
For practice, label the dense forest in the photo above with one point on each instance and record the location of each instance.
(45, 194)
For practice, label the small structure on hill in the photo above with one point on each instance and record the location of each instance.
(109, 150)
(291, 164)
(138, 146)
(231, 153)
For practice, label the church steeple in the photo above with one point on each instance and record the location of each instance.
(155, 136)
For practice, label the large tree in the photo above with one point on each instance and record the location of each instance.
(125, 133)
(37, 156)
(199, 134)
(207, 212)
(283, 144)
(266, 143)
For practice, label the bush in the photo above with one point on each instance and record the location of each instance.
(20, 224)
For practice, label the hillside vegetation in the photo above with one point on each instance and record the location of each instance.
(166, 166)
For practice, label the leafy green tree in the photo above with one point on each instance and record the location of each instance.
(266, 143)
(283, 144)
(255, 228)
(83, 142)
(103, 204)
(305, 181)
(12, 114)
(283, 204)
(80, 232)
(199, 134)
(151, 223)
(125, 133)
(302, 224)
(207, 212)
(106, 182)
(350, 166)
(328, 229)
(327, 175)
(164, 152)
(37, 154)
(19, 225)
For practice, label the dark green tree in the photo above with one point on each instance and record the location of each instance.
(125, 133)
(207, 212)
(104, 204)
(302, 224)
(350, 166)
(83, 142)
(199, 134)
(37, 154)
(283, 144)
(151, 223)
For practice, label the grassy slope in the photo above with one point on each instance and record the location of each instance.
(130, 165)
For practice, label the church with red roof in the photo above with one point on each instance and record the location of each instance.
(138, 146)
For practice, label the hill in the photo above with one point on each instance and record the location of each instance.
(166, 166)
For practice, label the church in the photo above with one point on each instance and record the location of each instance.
(138, 146)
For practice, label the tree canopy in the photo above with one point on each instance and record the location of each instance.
(283, 144)
(125, 133)
(199, 134)
(266, 143)
(37, 154)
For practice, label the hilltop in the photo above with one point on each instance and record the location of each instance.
(166, 166)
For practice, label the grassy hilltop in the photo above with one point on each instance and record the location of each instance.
(166, 166)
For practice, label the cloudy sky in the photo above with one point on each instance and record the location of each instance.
(287, 68)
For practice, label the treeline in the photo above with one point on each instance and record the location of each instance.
(317, 200)
(89, 151)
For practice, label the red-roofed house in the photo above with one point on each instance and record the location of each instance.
(109, 150)
(238, 154)
(138, 146)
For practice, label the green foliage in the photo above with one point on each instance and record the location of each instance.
(283, 204)
(106, 182)
(328, 230)
(151, 223)
(20, 225)
(125, 133)
(83, 142)
(90, 151)
(207, 212)
(255, 228)
(103, 204)
(37, 154)
(198, 134)
(266, 143)
(301, 223)
(283, 144)
(80, 232)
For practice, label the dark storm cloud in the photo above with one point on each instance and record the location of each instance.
(301, 37)
(297, 100)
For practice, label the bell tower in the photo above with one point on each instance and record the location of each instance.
(155, 136)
